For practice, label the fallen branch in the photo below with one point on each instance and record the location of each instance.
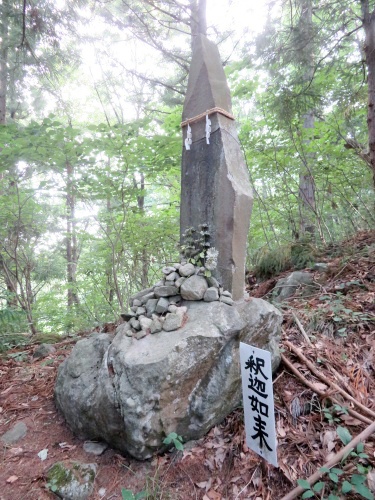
(299, 324)
(322, 394)
(333, 461)
(324, 379)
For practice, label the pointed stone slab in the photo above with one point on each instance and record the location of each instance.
(215, 187)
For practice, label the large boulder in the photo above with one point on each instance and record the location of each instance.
(132, 393)
(287, 287)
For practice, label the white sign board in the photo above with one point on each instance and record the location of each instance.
(257, 390)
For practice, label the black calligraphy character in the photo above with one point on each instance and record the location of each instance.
(255, 366)
(260, 432)
(258, 406)
(257, 386)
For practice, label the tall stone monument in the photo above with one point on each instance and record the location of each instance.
(215, 187)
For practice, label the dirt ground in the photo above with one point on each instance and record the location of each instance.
(339, 320)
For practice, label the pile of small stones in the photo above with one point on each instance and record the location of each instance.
(159, 307)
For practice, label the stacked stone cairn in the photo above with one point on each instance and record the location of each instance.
(160, 307)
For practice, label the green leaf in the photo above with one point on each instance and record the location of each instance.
(344, 434)
(141, 495)
(308, 494)
(346, 487)
(337, 471)
(324, 469)
(178, 445)
(364, 491)
(360, 447)
(318, 486)
(333, 477)
(127, 494)
(357, 479)
(303, 483)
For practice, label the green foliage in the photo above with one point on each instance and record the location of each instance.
(302, 253)
(129, 495)
(268, 263)
(338, 481)
(175, 440)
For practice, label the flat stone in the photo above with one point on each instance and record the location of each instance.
(140, 311)
(95, 447)
(212, 282)
(73, 480)
(43, 350)
(321, 267)
(225, 293)
(162, 305)
(129, 333)
(173, 321)
(172, 308)
(160, 283)
(134, 323)
(168, 270)
(17, 432)
(137, 303)
(145, 323)
(134, 308)
(147, 297)
(151, 306)
(156, 326)
(226, 300)
(128, 315)
(211, 294)
(165, 291)
(194, 288)
(179, 281)
(140, 294)
(175, 299)
(187, 270)
(139, 335)
(172, 277)
(123, 328)
(177, 266)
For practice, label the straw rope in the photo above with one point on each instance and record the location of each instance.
(208, 112)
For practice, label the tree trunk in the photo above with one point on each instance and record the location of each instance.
(369, 28)
(198, 22)
(71, 240)
(4, 18)
(306, 178)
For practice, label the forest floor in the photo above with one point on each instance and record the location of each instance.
(313, 418)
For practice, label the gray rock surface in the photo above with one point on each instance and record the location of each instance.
(186, 270)
(95, 447)
(132, 393)
(17, 432)
(165, 291)
(211, 294)
(173, 321)
(194, 288)
(44, 350)
(162, 305)
(72, 480)
(287, 287)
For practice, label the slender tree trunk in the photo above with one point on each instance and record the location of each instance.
(198, 22)
(144, 255)
(4, 18)
(71, 239)
(306, 178)
(369, 28)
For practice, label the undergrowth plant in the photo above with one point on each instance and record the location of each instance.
(336, 481)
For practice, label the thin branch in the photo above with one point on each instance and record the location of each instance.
(324, 379)
(333, 461)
